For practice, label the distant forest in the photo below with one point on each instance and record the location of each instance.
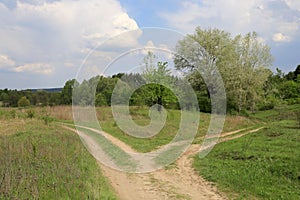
(279, 88)
(243, 64)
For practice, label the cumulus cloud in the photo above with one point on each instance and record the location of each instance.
(279, 37)
(49, 36)
(238, 17)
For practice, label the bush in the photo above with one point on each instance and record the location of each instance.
(23, 102)
(268, 104)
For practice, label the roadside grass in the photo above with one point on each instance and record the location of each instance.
(40, 161)
(261, 165)
(118, 156)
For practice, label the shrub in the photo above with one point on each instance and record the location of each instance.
(23, 102)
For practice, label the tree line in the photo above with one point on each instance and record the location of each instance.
(242, 61)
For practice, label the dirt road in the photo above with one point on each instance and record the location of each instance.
(178, 181)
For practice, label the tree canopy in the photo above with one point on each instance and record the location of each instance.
(242, 61)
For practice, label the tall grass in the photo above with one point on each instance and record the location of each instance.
(41, 161)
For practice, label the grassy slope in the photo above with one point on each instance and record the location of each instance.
(46, 162)
(264, 165)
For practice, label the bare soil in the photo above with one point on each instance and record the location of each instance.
(177, 181)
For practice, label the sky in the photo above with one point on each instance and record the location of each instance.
(44, 43)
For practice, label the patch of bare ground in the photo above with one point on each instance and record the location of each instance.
(180, 181)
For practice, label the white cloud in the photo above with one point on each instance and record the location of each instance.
(162, 50)
(238, 17)
(124, 40)
(6, 62)
(293, 4)
(37, 68)
(55, 33)
(279, 37)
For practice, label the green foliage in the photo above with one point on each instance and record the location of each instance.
(66, 93)
(10, 98)
(159, 78)
(289, 90)
(23, 102)
(4, 98)
(283, 88)
(242, 61)
(100, 100)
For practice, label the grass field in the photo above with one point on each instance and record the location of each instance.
(40, 161)
(262, 165)
(140, 116)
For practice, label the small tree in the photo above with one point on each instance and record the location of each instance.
(158, 75)
(23, 102)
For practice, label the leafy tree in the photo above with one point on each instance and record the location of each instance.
(100, 100)
(106, 86)
(23, 102)
(289, 90)
(158, 77)
(66, 93)
(297, 71)
(242, 61)
(55, 99)
(4, 98)
(293, 74)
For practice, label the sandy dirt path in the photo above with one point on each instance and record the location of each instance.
(178, 181)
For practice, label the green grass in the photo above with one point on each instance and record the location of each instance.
(262, 165)
(166, 135)
(41, 161)
(140, 116)
(282, 112)
(121, 158)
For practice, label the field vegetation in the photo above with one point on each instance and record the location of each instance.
(261, 165)
(43, 161)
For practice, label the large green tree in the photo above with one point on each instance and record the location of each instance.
(242, 62)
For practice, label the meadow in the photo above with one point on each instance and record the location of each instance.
(41, 160)
(261, 165)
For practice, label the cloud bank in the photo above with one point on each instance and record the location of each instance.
(274, 20)
(51, 38)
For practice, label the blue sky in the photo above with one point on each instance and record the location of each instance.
(44, 42)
